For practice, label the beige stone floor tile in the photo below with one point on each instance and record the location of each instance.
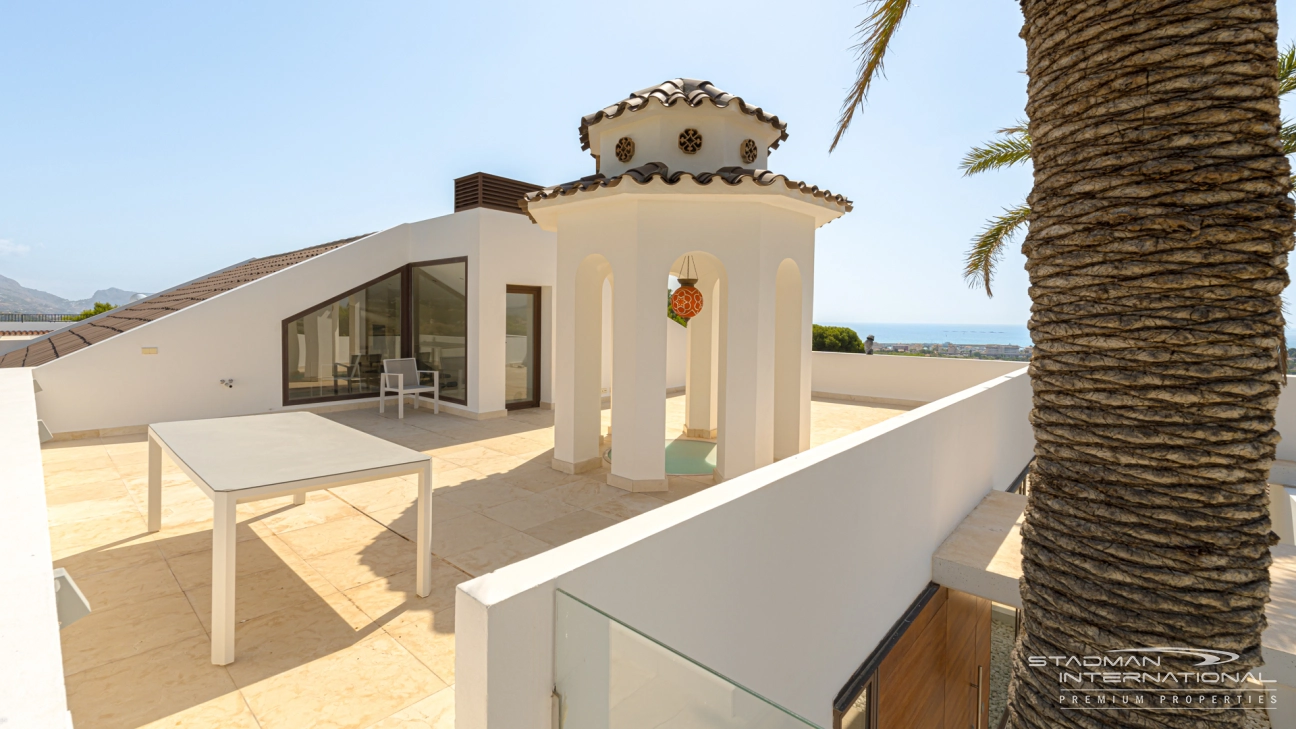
(326, 692)
(110, 635)
(539, 477)
(482, 496)
(386, 554)
(625, 506)
(584, 493)
(404, 519)
(456, 536)
(429, 635)
(194, 569)
(89, 462)
(570, 527)
(286, 639)
(533, 510)
(229, 711)
(315, 512)
(513, 445)
(161, 685)
(456, 476)
(378, 495)
(115, 588)
(178, 539)
(435, 712)
(73, 477)
(129, 553)
(349, 533)
(87, 534)
(263, 593)
(680, 487)
(385, 598)
(499, 464)
(73, 503)
(500, 553)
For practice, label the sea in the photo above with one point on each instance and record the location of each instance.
(940, 333)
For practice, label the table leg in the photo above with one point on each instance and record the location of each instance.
(299, 499)
(154, 485)
(223, 539)
(423, 564)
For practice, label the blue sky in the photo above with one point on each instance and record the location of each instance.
(145, 144)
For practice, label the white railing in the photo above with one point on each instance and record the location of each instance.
(31, 662)
(782, 580)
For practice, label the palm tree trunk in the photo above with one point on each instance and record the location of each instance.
(1157, 249)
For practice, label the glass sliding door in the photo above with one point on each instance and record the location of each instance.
(439, 319)
(336, 350)
(522, 347)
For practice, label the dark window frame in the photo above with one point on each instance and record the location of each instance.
(406, 328)
(535, 346)
(407, 334)
(865, 678)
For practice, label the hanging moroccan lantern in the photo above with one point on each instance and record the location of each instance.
(687, 300)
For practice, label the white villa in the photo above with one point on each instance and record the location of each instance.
(633, 523)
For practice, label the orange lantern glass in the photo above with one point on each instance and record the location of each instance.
(687, 300)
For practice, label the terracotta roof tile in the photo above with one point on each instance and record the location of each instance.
(689, 91)
(124, 318)
(645, 173)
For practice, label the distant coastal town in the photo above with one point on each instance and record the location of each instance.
(847, 339)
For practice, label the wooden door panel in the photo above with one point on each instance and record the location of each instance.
(911, 690)
(929, 678)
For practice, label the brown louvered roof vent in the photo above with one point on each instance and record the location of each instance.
(480, 190)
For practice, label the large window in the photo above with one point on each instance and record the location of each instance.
(336, 350)
(439, 308)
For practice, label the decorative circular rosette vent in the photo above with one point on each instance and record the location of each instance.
(690, 141)
(625, 149)
(748, 150)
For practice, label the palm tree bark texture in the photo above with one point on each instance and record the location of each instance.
(1157, 252)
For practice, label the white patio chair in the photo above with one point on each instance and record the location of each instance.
(401, 376)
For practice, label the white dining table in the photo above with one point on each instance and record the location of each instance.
(255, 457)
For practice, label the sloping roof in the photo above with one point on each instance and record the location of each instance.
(124, 318)
(689, 91)
(644, 174)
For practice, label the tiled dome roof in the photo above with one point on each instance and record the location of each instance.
(689, 91)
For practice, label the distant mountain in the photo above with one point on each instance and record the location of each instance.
(16, 297)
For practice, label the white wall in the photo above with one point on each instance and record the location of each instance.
(915, 379)
(515, 251)
(238, 334)
(1286, 422)
(31, 662)
(783, 579)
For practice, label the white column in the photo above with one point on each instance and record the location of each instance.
(746, 432)
(700, 386)
(788, 435)
(639, 372)
(578, 351)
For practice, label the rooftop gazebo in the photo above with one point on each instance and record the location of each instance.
(681, 188)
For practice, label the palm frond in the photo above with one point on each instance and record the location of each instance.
(1287, 70)
(1288, 136)
(1013, 149)
(875, 33)
(988, 246)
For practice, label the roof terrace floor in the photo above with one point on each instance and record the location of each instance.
(329, 629)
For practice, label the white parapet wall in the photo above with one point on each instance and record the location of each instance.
(31, 662)
(783, 580)
(899, 379)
